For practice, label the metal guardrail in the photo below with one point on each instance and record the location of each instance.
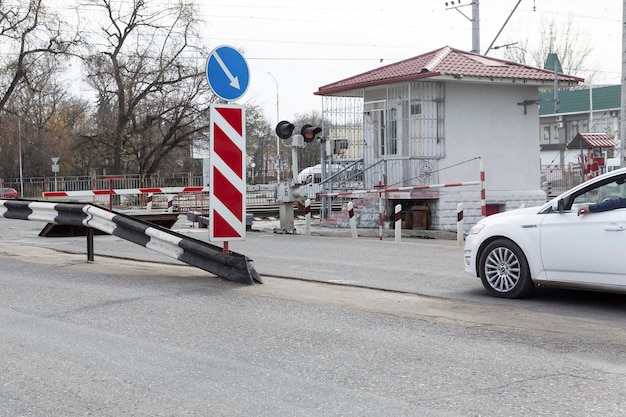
(231, 266)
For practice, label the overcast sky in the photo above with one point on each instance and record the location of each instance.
(308, 44)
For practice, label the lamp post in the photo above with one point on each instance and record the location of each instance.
(277, 121)
(19, 142)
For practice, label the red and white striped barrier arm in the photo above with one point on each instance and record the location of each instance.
(126, 191)
(396, 189)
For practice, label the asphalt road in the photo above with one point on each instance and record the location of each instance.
(354, 328)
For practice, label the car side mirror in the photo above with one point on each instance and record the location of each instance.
(558, 205)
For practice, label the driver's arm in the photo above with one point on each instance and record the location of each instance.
(606, 205)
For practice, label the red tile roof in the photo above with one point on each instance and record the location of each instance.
(591, 140)
(446, 61)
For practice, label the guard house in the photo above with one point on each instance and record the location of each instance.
(593, 150)
(432, 119)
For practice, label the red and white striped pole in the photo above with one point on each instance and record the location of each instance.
(483, 201)
(111, 192)
(380, 216)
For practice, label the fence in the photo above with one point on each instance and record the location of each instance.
(33, 188)
(555, 181)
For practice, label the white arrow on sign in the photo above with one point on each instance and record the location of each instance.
(234, 81)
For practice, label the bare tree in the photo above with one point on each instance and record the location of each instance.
(568, 42)
(41, 121)
(152, 96)
(260, 143)
(28, 32)
(35, 42)
(310, 154)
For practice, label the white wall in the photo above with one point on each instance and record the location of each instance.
(485, 120)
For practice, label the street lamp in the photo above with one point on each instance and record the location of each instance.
(277, 138)
(19, 141)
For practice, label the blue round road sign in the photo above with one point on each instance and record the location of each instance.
(227, 73)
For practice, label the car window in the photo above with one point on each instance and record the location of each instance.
(600, 193)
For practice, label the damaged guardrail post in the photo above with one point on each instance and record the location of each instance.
(90, 246)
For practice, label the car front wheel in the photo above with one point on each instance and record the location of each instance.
(504, 271)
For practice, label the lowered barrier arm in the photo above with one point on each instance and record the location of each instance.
(384, 193)
(231, 266)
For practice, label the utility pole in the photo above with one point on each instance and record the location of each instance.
(19, 140)
(476, 27)
(475, 19)
(278, 162)
(622, 115)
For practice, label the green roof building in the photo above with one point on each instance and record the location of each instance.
(579, 110)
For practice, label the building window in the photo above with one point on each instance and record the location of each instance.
(392, 124)
(388, 132)
(383, 132)
(416, 109)
(546, 133)
(585, 127)
(556, 132)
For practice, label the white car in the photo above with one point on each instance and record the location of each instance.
(551, 245)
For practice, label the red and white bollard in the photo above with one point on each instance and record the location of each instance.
(352, 220)
(398, 222)
(307, 207)
(459, 224)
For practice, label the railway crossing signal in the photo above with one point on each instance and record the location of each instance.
(310, 132)
(284, 129)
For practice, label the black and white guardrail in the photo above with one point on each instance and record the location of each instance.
(231, 266)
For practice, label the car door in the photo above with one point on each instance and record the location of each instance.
(587, 248)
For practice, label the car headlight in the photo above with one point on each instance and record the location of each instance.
(476, 229)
